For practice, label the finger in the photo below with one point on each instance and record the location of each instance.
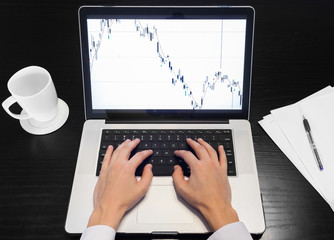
(126, 148)
(178, 180)
(212, 153)
(118, 150)
(222, 157)
(200, 151)
(139, 157)
(188, 157)
(107, 157)
(146, 178)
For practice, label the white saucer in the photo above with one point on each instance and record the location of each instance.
(40, 128)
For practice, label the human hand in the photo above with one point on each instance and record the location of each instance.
(208, 188)
(117, 189)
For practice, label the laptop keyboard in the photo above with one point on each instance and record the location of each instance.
(164, 143)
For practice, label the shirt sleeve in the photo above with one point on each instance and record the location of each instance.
(101, 232)
(233, 231)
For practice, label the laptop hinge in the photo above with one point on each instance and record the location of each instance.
(167, 122)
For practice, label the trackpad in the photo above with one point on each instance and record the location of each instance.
(161, 205)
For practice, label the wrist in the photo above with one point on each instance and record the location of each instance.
(110, 218)
(218, 218)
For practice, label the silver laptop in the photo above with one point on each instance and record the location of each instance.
(175, 72)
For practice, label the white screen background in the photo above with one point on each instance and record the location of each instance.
(127, 71)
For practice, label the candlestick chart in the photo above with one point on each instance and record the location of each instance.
(182, 65)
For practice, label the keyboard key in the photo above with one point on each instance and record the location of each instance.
(106, 138)
(161, 160)
(164, 145)
(157, 153)
(150, 138)
(169, 137)
(145, 145)
(166, 153)
(171, 161)
(155, 145)
(160, 138)
(153, 160)
(182, 145)
(173, 145)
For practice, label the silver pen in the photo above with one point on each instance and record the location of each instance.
(310, 139)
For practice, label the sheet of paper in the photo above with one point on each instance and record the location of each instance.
(320, 114)
(285, 127)
(275, 133)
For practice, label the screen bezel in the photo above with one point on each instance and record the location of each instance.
(105, 12)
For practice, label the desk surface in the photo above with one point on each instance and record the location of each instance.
(293, 57)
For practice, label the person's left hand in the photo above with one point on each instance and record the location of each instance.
(117, 189)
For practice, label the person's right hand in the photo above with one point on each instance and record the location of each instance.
(208, 188)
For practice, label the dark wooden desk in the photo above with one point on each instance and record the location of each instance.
(293, 57)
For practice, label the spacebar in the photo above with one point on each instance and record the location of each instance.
(158, 170)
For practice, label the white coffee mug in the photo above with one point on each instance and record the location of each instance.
(33, 89)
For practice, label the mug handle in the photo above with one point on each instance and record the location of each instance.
(9, 102)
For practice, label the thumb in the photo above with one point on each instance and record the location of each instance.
(178, 179)
(146, 178)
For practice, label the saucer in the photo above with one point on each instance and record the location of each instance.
(40, 128)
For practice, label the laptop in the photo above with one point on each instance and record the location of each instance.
(163, 74)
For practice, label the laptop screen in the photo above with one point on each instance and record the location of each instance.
(166, 62)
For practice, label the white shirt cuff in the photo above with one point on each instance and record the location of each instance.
(233, 231)
(101, 232)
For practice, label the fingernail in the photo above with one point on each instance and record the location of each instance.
(175, 167)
